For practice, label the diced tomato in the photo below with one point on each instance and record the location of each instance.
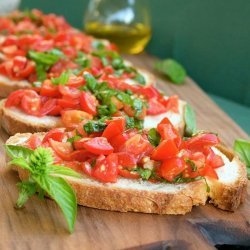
(69, 92)
(126, 160)
(128, 174)
(75, 81)
(172, 104)
(137, 145)
(215, 161)
(71, 118)
(48, 89)
(81, 155)
(170, 168)
(87, 169)
(166, 149)
(57, 134)
(115, 127)
(201, 141)
(155, 107)
(68, 103)
(105, 169)
(34, 142)
(48, 107)
(31, 102)
(210, 172)
(19, 63)
(118, 141)
(79, 144)
(14, 99)
(62, 149)
(98, 146)
(150, 92)
(88, 103)
(27, 71)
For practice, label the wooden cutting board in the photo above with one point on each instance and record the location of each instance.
(40, 224)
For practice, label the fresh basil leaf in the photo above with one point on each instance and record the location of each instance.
(117, 63)
(14, 151)
(140, 79)
(137, 106)
(91, 82)
(60, 191)
(26, 190)
(41, 71)
(21, 162)
(62, 79)
(154, 137)
(103, 110)
(190, 121)
(74, 138)
(43, 57)
(123, 97)
(172, 69)
(132, 122)
(63, 170)
(242, 147)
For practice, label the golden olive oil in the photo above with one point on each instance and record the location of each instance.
(129, 39)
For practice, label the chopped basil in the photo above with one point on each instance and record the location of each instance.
(132, 122)
(41, 71)
(140, 79)
(91, 82)
(82, 60)
(172, 69)
(37, 84)
(137, 105)
(154, 137)
(74, 138)
(98, 45)
(143, 172)
(192, 164)
(62, 79)
(94, 126)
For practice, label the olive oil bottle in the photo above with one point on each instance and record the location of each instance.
(123, 22)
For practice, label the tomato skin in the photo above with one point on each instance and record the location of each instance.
(155, 107)
(80, 155)
(215, 161)
(76, 81)
(127, 174)
(34, 142)
(68, 103)
(105, 169)
(48, 107)
(88, 103)
(209, 172)
(172, 104)
(170, 168)
(201, 141)
(149, 92)
(71, 118)
(69, 92)
(31, 103)
(79, 144)
(86, 168)
(166, 149)
(56, 134)
(62, 149)
(118, 141)
(98, 146)
(14, 99)
(126, 160)
(115, 127)
(48, 89)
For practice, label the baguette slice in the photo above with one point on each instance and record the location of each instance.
(13, 120)
(142, 196)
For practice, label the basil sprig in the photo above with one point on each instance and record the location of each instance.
(172, 69)
(242, 147)
(154, 137)
(190, 121)
(44, 177)
(62, 79)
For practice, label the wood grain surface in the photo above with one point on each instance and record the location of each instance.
(40, 224)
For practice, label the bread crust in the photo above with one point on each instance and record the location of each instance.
(108, 197)
(6, 88)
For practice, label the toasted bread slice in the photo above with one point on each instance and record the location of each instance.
(7, 86)
(13, 120)
(142, 196)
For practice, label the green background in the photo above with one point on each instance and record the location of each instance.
(210, 38)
